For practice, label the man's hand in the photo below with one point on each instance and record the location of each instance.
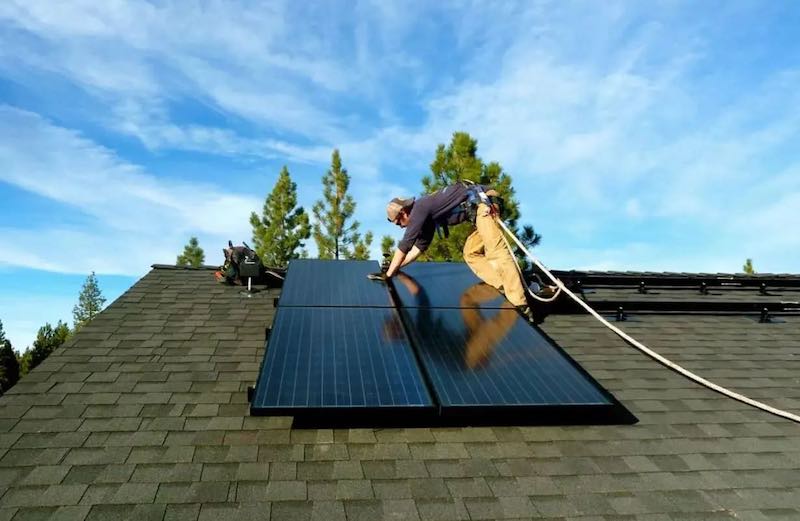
(379, 276)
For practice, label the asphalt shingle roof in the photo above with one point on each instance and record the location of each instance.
(144, 415)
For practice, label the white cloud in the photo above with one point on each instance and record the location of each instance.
(138, 219)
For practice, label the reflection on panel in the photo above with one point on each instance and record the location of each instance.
(340, 358)
(314, 282)
(493, 357)
(443, 285)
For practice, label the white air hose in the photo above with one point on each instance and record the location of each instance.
(527, 289)
(646, 350)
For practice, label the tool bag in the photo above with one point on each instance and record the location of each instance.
(240, 262)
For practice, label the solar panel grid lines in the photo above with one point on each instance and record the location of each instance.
(336, 357)
(333, 283)
(518, 368)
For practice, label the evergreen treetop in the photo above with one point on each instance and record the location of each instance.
(361, 246)
(48, 339)
(334, 232)
(90, 302)
(9, 366)
(387, 245)
(748, 267)
(459, 161)
(193, 255)
(283, 226)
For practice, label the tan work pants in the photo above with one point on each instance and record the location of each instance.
(486, 253)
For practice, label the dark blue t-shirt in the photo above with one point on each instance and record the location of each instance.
(430, 210)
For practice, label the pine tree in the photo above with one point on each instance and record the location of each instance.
(361, 247)
(9, 366)
(460, 161)
(283, 226)
(335, 237)
(748, 267)
(24, 360)
(387, 245)
(90, 302)
(48, 339)
(193, 255)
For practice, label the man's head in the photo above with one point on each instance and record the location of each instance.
(398, 210)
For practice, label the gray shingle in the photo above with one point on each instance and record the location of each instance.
(46, 475)
(197, 492)
(166, 472)
(126, 513)
(235, 511)
(119, 493)
(182, 512)
(271, 491)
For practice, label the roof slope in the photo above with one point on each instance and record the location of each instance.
(144, 416)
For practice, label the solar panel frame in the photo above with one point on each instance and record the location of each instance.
(302, 352)
(333, 283)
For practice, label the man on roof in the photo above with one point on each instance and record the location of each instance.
(485, 250)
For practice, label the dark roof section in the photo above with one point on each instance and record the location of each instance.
(144, 416)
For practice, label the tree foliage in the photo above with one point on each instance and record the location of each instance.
(361, 246)
(748, 267)
(387, 245)
(48, 339)
(9, 366)
(283, 226)
(335, 233)
(460, 161)
(193, 255)
(90, 302)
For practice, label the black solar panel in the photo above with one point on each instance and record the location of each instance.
(340, 360)
(491, 365)
(444, 285)
(456, 353)
(314, 282)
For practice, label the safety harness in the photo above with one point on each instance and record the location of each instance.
(468, 207)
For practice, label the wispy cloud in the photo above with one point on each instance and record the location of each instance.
(137, 218)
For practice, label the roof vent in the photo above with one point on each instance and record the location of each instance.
(621, 316)
(703, 288)
(763, 288)
(765, 318)
(642, 287)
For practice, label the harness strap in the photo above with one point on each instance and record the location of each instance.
(475, 196)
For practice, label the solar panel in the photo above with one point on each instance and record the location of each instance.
(491, 364)
(331, 364)
(455, 353)
(444, 285)
(315, 282)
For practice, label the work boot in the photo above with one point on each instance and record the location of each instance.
(526, 312)
(533, 314)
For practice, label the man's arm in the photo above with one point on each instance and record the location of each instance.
(401, 259)
(411, 256)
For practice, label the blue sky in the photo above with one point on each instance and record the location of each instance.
(640, 135)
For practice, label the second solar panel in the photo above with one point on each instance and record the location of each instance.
(331, 364)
